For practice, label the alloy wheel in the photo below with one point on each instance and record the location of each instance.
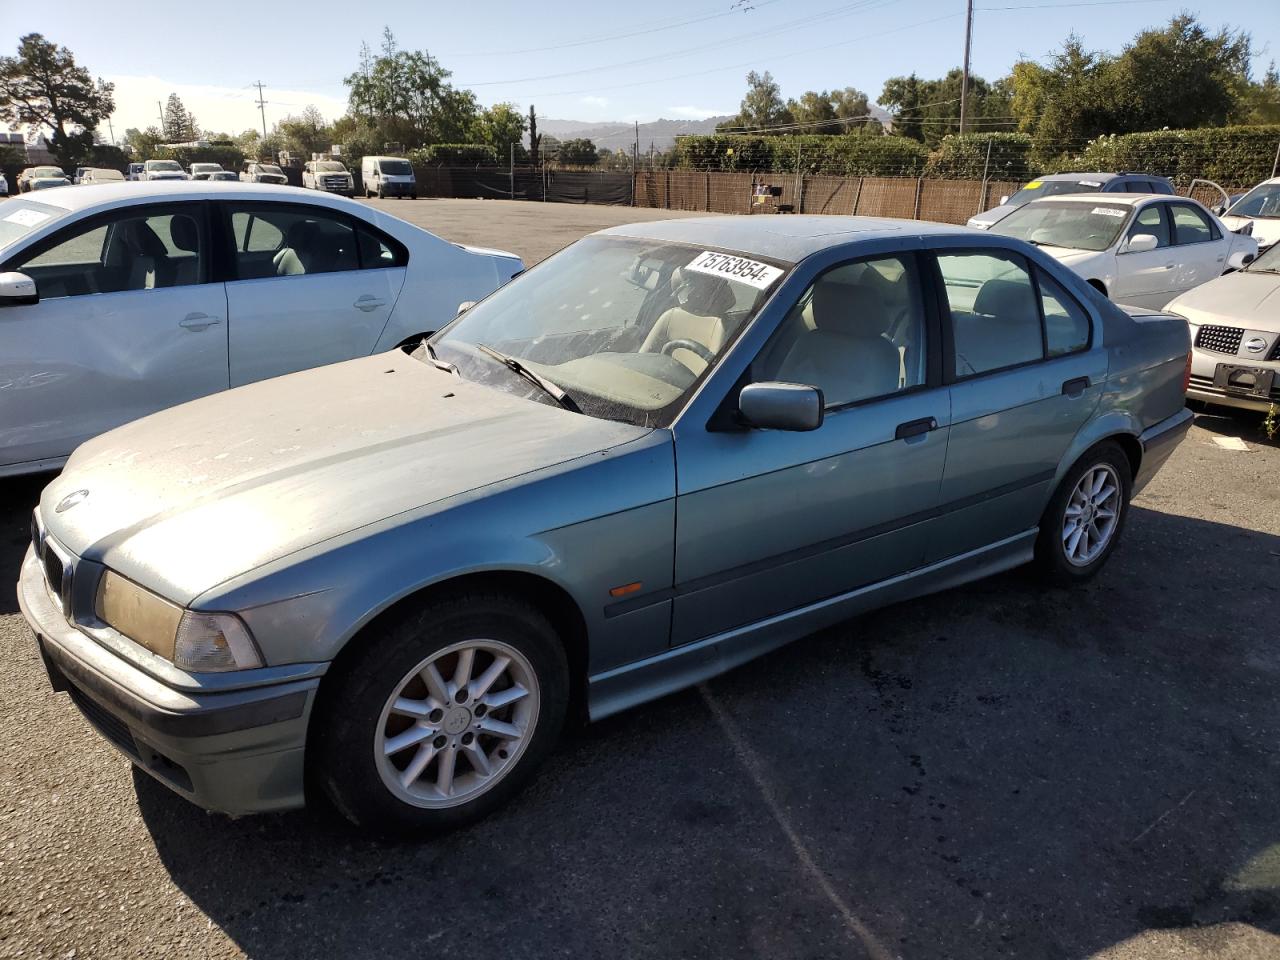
(1091, 515)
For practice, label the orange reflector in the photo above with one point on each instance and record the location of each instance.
(626, 588)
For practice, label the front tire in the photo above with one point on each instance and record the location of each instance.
(1083, 522)
(442, 717)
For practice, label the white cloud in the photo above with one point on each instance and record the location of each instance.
(596, 101)
(697, 113)
(218, 109)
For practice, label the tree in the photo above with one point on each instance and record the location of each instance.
(43, 87)
(306, 133)
(406, 97)
(535, 141)
(142, 144)
(901, 96)
(815, 111)
(852, 105)
(928, 110)
(500, 126)
(179, 125)
(1262, 100)
(763, 105)
(580, 152)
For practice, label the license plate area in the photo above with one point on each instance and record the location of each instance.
(1244, 381)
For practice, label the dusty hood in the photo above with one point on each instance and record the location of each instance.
(1244, 299)
(184, 499)
(1266, 230)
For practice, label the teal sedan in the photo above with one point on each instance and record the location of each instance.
(386, 584)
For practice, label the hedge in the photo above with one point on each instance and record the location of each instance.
(852, 155)
(1232, 156)
(966, 157)
(454, 154)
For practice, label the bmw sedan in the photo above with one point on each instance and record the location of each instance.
(387, 584)
(119, 300)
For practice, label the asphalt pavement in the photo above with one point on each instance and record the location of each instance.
(998, 770)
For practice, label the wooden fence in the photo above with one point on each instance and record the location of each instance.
(946, 201)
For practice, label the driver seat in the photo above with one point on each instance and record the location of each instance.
(702, 303)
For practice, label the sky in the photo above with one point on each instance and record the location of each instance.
(679, 59)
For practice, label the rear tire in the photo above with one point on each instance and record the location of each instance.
(1085, 518)
(402, 751)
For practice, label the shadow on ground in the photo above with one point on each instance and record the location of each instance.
(21, 494)
(996, 770)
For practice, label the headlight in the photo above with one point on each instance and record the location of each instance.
(189, 639)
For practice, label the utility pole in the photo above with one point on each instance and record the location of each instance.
(1275, 163)
(161, 106)
(111, 130)
(511, 169)
(262, 107)
(968, 45)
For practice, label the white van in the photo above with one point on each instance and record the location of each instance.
(388, 177)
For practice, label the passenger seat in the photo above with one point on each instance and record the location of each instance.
(700, 317)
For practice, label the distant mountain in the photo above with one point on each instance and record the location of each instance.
(620, 136)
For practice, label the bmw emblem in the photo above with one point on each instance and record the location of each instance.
(70, 500)
(1255, 345)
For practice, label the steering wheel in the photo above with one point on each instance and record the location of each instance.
(671, 346)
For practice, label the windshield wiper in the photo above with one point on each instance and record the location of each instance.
(537, 379)
(436, 362)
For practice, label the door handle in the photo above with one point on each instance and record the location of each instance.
(368, 302)
(198, 321)
(915, 428)
(1076, 387)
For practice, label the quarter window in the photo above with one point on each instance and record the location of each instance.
(857, 333)
(994, 314)
(1151, 220)
(1066, 325)
(139, 252)
(1191, 225)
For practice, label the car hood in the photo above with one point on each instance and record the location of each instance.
(995, 214)
(1266, 230)
(1070, 257)
(1242, 299)
(187, 498)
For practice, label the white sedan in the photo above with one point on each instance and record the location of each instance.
(1260, 209)
(117, 301)
(1140, 249)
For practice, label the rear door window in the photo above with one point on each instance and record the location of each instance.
(1191, 225)
(994, 311)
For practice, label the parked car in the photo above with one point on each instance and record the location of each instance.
(1142, 250)
(328, 175)
(1065, 183)
(78, 175)
(1235, 326)
(201, 171)
(392, 577)
(388, 177)
(4, 184)
(137, 309)
(254, 172)
(1259, 208)
(222, 176)
(93, 175)
(26, 177)
(135, 171)
(44, 183)
(162, 170)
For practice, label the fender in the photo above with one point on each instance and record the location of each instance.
(1113, 423)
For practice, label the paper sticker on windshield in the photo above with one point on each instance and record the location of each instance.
(1110, 212)
(751, 272)
(1090, 183)
(1032, 185)
(27, 218)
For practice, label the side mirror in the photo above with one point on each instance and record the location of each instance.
(781, 406)
(1141, 243)
(1237, 261)
(1004, 200)
(464, 306)
(17, 290)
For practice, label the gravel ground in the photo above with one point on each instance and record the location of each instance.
(999, 770)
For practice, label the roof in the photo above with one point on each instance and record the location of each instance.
(790, 238)
(112, 194)
(1077, 175)
(1123, 199)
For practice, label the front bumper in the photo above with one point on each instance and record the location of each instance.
(1158, 442)
(236, 752)
(398, 189)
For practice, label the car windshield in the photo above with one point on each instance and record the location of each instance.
(330, 166)
(1268, 262)
(395, 168)
(20, 217)
(47, 172)
(1037, 189)
(270, 168)
(1262, 201)
(626, 327)
(1066, 223)
(165, 165)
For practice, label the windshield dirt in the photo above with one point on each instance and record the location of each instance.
(1077, 226)
(626, 328)
(20, 217)
(1268, 262)
(1037, 189)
